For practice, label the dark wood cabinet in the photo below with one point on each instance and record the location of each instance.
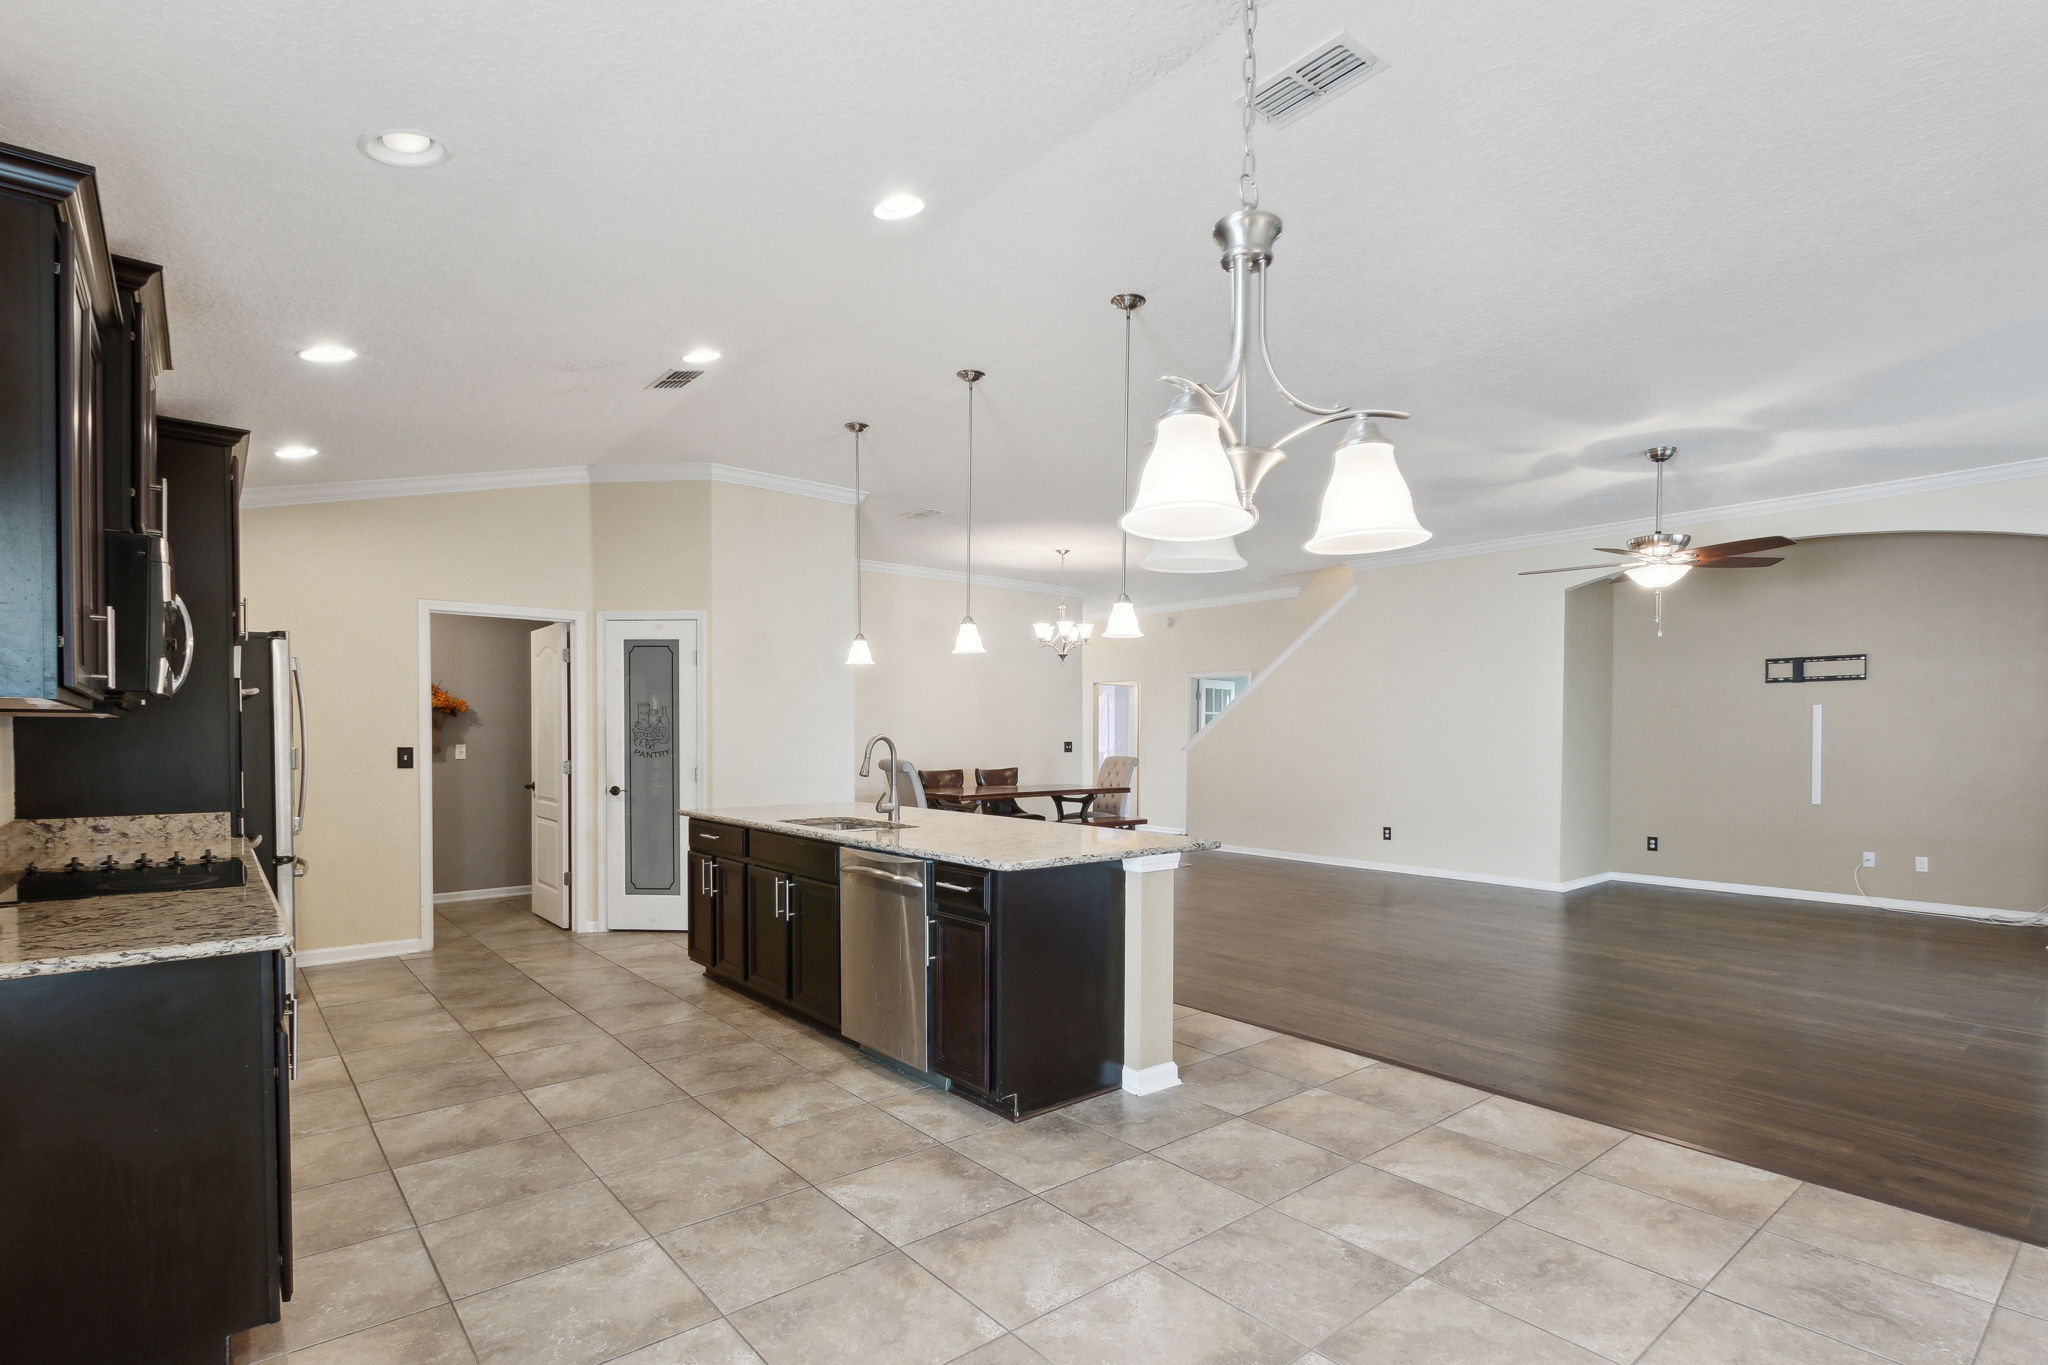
(135, 353)
(702, 871)
(962, 999)
(767, 934)
(811, 915)
(729, 940)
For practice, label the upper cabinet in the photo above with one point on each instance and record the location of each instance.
(82, 341)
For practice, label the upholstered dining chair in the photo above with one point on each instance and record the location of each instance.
(909, 784)
(1002, 777)
(942, 778)
(1118, 810)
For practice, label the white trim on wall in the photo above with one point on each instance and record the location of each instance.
(956, 576)
(1101, 613)
(1404, 870)
(359, 952)
(424, 485)
(482, 893)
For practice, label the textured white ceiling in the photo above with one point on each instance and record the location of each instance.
(1800, 241)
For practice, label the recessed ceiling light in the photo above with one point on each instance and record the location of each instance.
(703, 355)
(327, 353)
(403, 147)
(296, 452)
(899, 206)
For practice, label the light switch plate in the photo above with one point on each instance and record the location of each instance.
(1919, 864)
(462, 751)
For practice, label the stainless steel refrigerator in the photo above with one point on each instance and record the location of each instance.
(273, 759)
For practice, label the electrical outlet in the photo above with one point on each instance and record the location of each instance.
(461, 751)
(1386, 831)
(405, 756)
(1919, 864)
(1870, 860)
(1651, 843)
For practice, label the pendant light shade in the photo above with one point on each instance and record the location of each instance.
(1187, 490)
(1657, 575)
(968, 639)
(1194, 556)
(1367, 507)
(1123, 621)
(859, 653)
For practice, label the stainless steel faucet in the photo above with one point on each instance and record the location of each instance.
(895, 806)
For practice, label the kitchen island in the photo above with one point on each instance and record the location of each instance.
(1047, 948)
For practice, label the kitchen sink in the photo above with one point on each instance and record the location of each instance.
(842, 823)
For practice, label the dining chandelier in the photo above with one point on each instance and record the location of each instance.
(1204, 472)
(1061, 635)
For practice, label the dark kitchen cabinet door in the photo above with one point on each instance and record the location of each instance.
(729, 919)
(767, 933)
(813, 919)
(962, 1007)
(88, 630)
(703, 873)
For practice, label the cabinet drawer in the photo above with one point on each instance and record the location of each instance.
(963, 888)
(812, 858)
(721, 841)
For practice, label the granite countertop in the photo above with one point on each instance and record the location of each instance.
(46, 938)
(999, 843)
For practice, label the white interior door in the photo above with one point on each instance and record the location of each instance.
(548, 667)
(651, 769)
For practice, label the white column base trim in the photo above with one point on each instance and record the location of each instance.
(359, 952)
(1152, 1079)
(486, 893)
(1152, 862)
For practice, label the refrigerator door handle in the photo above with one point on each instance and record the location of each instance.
(191, 645)
(299, 751)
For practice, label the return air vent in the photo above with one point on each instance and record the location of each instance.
(1329, 69)
(676, 379)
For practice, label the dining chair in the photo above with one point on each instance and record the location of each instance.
(909, 785)
(1117, 810)
(942, 778)
(1002, 777)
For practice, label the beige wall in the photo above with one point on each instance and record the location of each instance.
(1942, 752)
(1588, 733)
(482, 814)
(1014, 706)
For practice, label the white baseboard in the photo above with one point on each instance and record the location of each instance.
(1407, 871)
(358, 952)
(1151, 1080)
(486, 893)
(1827, 897)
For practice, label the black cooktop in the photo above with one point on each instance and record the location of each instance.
(107, 878)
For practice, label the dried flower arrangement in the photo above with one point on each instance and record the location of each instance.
(447, 703)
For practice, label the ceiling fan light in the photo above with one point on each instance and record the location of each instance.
(1366, 507)
(1657, 575)
(968, 640)
(1194, 556)
(1187, 490)
(859, 653)
(1123, 621)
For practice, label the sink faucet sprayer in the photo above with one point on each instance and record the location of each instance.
(895, 806)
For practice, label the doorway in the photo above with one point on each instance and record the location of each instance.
(652, 747)
(1116, 728)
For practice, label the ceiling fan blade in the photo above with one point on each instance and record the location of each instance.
(1744, 547)
(1572, 568)
(1607, 550)
(1739, 562)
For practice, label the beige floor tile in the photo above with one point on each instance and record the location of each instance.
(1234, 1087)
(1539, 1132)
(552, 1031)
(1150, 1205)
(566, 1062)
(1146, 1121)
(1469, 1169)
(1287, 1274)
(1958, 1258)
(1713, 1331)
(1386, 1086)
(646, 1014)
(624, 1141)
(336, 986)
(841, 1142)
(1395, 1219)
(887, 1309)
(689, 1186)
(1023, 1260)
(434, 1337)
(1728, 1188)
(586, 1098)
(320, 1073)
(1427, 1324)
(328, 1216)
(338, 1154)
(477, 1179)
(586, 1312)
(941, 1116)
(1213, 1033)
(755, 1106)
(358, 1286)
(1009, 1350)
(2014, 1339)
(411, 1028)
(1043, 1152)
(2026, 1289)
(872, 1082)
(1894, 1315)
(342, 1018)
(1152, 1314)
(1301, 1060)
(721, 1067)
(520, 1011)
(915, 1196)
(1257, 1162)
(433, 1133)
(1185, 1055)
(663, 1041)
(1346, 1126)
(436, 1087)
(757, 1252)
(1675, 1240)
(326, 1110)
(522, 1237)
(406, 1058)
(1587, 1297)
(715, 1343)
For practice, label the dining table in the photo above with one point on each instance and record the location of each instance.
(1057, 792)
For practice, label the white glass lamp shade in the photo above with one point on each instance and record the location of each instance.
(1187, 490)
(1123, 621)
(968, 641)
(1042, 629)
(1657, 575)
(1084, 629)
(1194, 556)
(1367, 507)
(859, 653)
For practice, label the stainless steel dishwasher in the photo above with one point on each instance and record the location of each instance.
(884, 938)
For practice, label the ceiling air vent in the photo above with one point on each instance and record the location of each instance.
(1329, 69)
(676, 379)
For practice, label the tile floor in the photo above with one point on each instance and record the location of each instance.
(526, 1148)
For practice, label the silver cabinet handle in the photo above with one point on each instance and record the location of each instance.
(191, 645)
(955, 886)
(108, 676)
(702, 835)
(300, 758)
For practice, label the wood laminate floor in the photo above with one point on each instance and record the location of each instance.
(1896, 1056)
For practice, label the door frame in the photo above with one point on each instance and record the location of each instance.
(581, 782)
(600, 705)
(1095, 754)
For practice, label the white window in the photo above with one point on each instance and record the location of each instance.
(1212, 694)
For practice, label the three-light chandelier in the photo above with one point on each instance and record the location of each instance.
(1200, 481)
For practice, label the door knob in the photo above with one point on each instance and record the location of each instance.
(527, 785)
(615, 790)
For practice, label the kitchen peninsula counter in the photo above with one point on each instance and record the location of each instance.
(998, 843)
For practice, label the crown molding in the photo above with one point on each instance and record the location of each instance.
(1197, 603)
(1734, 511)
(981, 580)
(425, 485)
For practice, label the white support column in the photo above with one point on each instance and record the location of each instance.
(1148, 974)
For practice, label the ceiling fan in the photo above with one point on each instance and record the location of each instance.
(1662, 557)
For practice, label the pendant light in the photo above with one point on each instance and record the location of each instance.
(858, 653)
(1063, 636)
(1205, 468)
(1194, 556)
(1123, 617)
(968, 639)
